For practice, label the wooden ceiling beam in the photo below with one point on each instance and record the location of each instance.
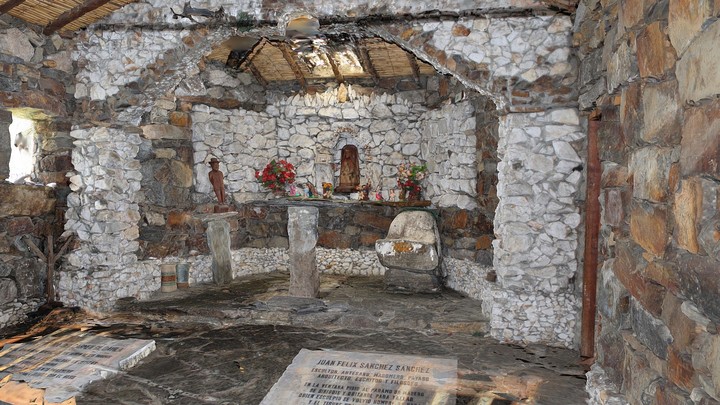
(73, 14)
(338, 75)
(254, 70)
(290, 58)
(365, 62)
(255, 50)
(414, 66)
(9, 5)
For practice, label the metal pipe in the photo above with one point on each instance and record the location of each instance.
(592, 229)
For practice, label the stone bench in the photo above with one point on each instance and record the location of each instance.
(411, 252)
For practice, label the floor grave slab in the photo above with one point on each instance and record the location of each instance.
(328, 377)
(64, 362)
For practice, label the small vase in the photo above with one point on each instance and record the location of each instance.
(414, 195)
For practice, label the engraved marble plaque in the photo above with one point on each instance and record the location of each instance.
(349, 378)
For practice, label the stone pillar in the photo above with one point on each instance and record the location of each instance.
(218, 234)
(5, 148)
(303, 236)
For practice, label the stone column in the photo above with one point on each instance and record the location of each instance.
(303, 236)
(218, 234)
(5, 141)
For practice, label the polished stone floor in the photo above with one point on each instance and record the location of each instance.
(229, 344)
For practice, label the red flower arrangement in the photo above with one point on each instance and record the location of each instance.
(276, 175)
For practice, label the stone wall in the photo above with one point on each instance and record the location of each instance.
(36, 82)
(309, 132)
(650, 69)
(535, 83)
(27, 214)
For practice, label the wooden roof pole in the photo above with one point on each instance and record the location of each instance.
(290, 59)
(366, 63)
(9, 5)
(338, 75)
(414, 66)
(73, 14)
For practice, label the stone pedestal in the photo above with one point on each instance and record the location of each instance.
(303, 235)
(218, 237)
(411, 252)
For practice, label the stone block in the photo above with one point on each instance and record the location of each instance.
(668, 394)
(614, 175)
(369, 238)
(663, 273)
(680, 370)
(661, 113)
(218, 238)
(687, 209)
(631, 110)
(627, 268)
(15, 43)
(162, 131)
(650, 331)
(622, 67)
(700, 144)
(335, 240)
(407, 254)
(612, 296)
(682, 328)
(611, 354)
(685, 20)
(8, 291)
(56, 163)
(650, 169)
(696, 71)
(30, 276)
(368, 219)
(19, 226)
(303, 237)
(613, 212)
(640, 370)
(179, 119)
(699, 283)
(24, 200)
(706, 362)
(655, 54)
(649, 227)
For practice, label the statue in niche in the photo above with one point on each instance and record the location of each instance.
(349, 170)
(217, 180)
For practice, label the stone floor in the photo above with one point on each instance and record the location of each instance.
(229, 344)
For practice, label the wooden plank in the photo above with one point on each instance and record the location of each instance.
(257, 74)
(9, 5)
(73, 14)
(414, 66)
(338, 75)
(289, 56)
(365, 62)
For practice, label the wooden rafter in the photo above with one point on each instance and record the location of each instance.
(289, 56)
(254, 51)
(338, 75)
(414, 66)
(365, 62)
(9, 5)
(73, 14)
(256, 73)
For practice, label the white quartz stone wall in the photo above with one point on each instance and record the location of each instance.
(536, 225)
(103, 209)
(308, 131)
(111, 59)
(527, 48)
(99, 289)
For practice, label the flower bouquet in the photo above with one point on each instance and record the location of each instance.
(409, 178)
(276, 175)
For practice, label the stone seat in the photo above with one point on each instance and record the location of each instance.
(411, 252)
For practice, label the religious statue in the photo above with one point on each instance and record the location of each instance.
(365, 191)
(216, 179)
(349, 170)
